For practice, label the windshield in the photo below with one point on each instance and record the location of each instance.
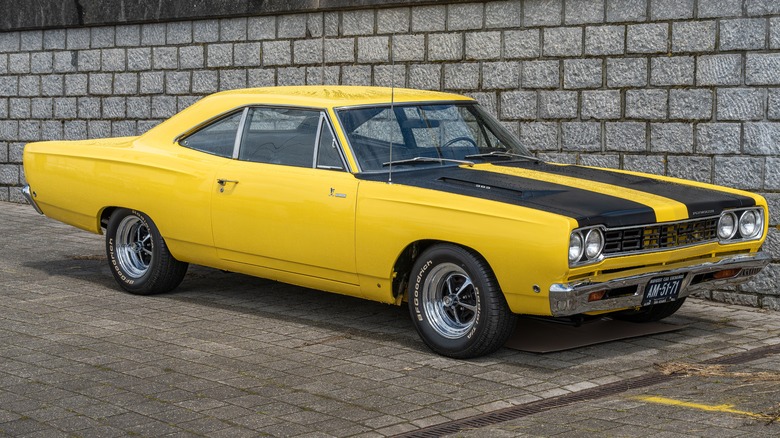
(426, 135)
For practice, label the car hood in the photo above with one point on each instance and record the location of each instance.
(590, 196)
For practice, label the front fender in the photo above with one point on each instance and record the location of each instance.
(525, 248)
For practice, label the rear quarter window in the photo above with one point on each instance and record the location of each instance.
(218, 138)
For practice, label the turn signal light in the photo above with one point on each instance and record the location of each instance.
(596, 296)
(726, 273)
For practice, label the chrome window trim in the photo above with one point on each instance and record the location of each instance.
(317, 141)
(233, 110)
(323, 115)
(252, 107)
(206, 123)
(407, 103)
(325, 123)
(240, 133)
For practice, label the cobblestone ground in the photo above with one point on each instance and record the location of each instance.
(230, 355)
(735, 401)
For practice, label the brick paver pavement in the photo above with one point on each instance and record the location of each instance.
(230, 355)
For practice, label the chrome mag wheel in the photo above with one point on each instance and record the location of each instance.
(134, 246)
(138, 256)
(450, 300)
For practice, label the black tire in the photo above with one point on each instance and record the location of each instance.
(456, 304)
(138, 256)
(653, 313)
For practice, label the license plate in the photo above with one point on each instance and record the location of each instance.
(662, 289)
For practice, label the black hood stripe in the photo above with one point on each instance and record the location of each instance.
(586, 207)
(699, 201)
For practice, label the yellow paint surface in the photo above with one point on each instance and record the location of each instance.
(727, 409)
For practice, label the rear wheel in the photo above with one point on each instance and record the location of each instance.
(656, 312)
(456, 304)
(138, 256)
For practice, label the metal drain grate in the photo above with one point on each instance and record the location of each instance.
(536, 407)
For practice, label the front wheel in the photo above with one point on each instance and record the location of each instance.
(138, 256)
(456, 304)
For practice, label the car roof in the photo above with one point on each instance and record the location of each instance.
(337, 95)
(311, 96)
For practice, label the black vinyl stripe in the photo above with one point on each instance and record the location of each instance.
(586, 207)
(699, 201)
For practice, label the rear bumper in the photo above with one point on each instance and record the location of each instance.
(572, 298)
(29, 197)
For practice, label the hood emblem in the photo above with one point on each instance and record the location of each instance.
(702, 213)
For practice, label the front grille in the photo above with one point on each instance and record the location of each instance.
(658, 237)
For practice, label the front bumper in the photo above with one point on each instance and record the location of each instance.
(572, 298)
(29, 197)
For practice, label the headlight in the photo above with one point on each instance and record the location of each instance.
(575, 247)
(751, 224)
(727, 226)
(594, 243)
(741, 224)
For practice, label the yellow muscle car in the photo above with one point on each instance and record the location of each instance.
(395, 195)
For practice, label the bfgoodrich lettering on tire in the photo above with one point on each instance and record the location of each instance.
(456, 304)
(138, 256)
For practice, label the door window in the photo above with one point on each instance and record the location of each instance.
(218, 138)
(280, 136)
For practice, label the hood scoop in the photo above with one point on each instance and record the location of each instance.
(495, 189)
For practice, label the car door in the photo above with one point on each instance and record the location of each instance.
(287, 202)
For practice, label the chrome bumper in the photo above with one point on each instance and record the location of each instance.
(29, 197)
(572, 298)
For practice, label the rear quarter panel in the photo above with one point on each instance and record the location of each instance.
(75, 181)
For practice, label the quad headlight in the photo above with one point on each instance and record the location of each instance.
(751, 224)
(575, 247)
(585, 245)
(742, 224)
(594, 243)
(727, 226)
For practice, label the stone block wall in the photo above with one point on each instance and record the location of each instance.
(685, 88)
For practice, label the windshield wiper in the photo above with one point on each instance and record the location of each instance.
(503, 154)
(422, 160)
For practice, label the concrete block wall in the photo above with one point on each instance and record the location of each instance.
(685, 88)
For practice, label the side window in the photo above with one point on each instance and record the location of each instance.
(328, 154)
(217, 138)
(280, 136)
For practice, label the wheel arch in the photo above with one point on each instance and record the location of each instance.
(402, 267)
(105, 215)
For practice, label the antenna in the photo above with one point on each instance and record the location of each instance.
(392, 104)
(322, 52)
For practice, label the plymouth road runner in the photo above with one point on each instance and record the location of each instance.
(399, 196)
